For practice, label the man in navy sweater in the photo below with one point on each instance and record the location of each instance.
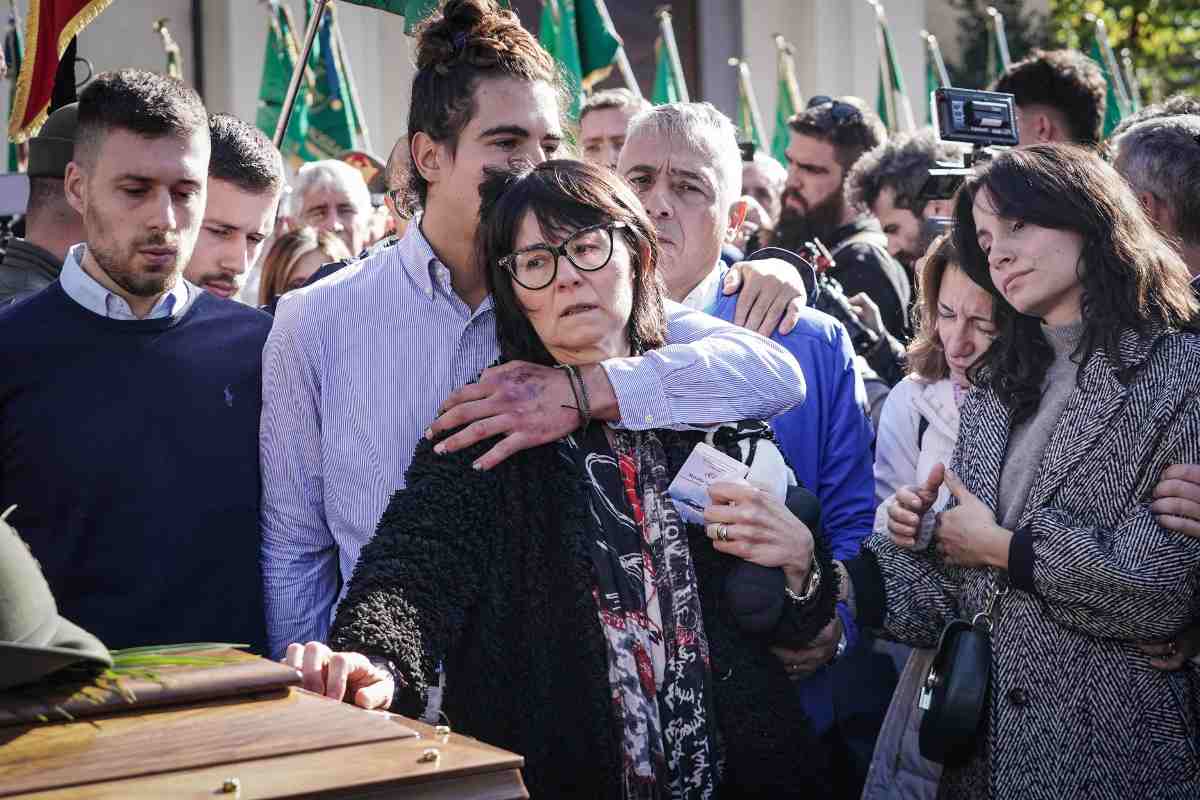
(130, 399)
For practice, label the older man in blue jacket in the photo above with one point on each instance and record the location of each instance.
(684, 162)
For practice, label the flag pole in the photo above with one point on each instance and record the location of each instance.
(668, 36)
(1001, 37)
(1135, 91)
(289, 100)
(1113, 67)
(622, 58)
(786, 65)
(935, 52)
(748, 92)
(627, 72)
(889, 97)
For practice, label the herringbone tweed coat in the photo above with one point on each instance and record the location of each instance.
(1076, 710)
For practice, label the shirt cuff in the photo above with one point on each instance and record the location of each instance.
(1020, 560)
(641, 398)
(870, 597)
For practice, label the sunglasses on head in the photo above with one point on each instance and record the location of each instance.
(841, 113)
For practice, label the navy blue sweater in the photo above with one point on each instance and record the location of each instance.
(131, 451)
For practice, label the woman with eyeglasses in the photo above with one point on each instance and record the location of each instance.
(1050, 545)
(559, 600)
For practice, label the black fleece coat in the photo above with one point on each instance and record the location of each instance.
(490, 573)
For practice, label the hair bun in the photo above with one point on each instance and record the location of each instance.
(472, 31)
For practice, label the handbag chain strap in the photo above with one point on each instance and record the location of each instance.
(997, 589)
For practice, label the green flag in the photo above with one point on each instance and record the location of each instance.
(892, 101)
(667, 84)
(786, 106)
(581, 37)
(413, 11)
(13, 52)
(1113, 111)
(932, 83)
(331, 123)
(282, 55)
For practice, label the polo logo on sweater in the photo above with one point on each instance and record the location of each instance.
(228, 396)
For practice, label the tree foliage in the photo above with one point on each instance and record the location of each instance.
(1162, 36)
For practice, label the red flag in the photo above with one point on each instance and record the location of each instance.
(49, 27)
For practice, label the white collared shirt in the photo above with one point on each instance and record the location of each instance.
(704, 297)
(89, 293)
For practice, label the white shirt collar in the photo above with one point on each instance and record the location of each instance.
(89, 293)
(704, 296)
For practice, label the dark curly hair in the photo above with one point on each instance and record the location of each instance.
(465, 41)
(1063, 79)
(902, 163)
(1131, 278)
(564, 196)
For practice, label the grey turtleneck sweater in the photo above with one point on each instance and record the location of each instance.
(1027, 441)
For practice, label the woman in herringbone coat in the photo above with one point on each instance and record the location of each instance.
(1091, 388)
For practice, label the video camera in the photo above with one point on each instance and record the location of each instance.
(984, 120)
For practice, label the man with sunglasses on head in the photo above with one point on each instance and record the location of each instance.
(827, 138)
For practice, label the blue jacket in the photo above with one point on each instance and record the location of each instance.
(827, 440)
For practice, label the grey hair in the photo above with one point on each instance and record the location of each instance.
(775, 172)
(902, 163)
(330, 173)
(1162, 156)
(703, 129)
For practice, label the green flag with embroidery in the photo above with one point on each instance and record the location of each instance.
(331, 121)
(282, 55)
(581, 37)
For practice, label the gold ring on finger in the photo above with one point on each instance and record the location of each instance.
(722, 532)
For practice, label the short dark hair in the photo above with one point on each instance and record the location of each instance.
(1132, 279)
(1066, 80)
(564, 196)
(902, 163)
(243, 156)
(613, 98)
(457, 46)
(145, 103)
(849, 137)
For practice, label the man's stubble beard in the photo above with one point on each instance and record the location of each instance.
(115, 261)
(795, 228)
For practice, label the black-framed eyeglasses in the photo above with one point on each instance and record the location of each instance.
(842, 113)
(588, 249)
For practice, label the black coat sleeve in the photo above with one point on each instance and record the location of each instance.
(418, 579)
(860, 268)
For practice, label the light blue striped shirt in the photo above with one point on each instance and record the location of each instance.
(355, 369)
(92, 295)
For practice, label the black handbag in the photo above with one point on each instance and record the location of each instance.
(954, 695)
